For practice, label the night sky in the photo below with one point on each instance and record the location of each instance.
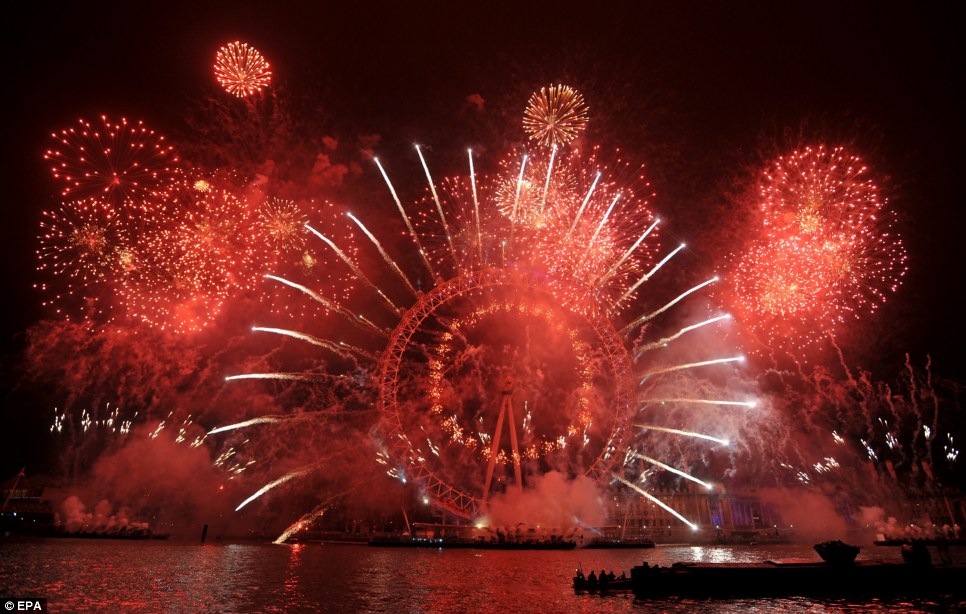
(701, 89)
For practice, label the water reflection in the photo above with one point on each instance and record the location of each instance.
(724, 554)
(292, 586)
(91, 575)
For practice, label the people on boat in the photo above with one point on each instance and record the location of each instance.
(592, 580)
(604, 580)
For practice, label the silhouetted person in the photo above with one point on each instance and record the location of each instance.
(592, 581)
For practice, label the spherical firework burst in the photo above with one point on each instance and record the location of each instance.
(520, 201)
(498, 347)
(84, 245)
(281, 224)
(788, 289)
(113, 160)
(555, 115)
(828, 252)
(241, 69)
(819, 192)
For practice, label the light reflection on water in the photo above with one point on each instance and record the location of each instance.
(151, 576)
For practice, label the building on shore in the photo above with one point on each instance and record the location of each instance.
(712, 516)
(745, 515)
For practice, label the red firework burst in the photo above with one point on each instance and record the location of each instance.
(828, 252)
(241, 69)
(218, 231)
(281, 226)
(171, 288)
(84, 245)
(183, 270)
(113, 160)
(818, 191)
(787, 290)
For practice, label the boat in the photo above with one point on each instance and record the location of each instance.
(120, 534)
(23, 509)
(592, 584)
(407, 541)
(834, 578)
(620, 543)
(525, 545)
(927, 541)
(837, 552)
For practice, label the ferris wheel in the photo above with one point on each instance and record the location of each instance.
(484, 299)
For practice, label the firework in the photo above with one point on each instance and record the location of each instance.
(182, 271)
(818, 192)
(281, 224)
(113, 160)
(591, 218)
(170, 292)
(84, 245)
(568, 215)
(825, 196)
(787, 289)
(555, 115)
(293, 240)
(218, 231)
(241, 69)
(827, 253)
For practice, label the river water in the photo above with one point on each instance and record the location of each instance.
(80, 575)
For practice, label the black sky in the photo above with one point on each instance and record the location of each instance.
(732, 71)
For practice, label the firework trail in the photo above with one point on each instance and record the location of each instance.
(275, 483)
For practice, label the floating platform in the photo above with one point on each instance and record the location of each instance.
(620, 543)
(796, 578)
(139, 534)
(931, 541)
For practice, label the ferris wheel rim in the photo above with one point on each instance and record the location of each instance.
(448, 496)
